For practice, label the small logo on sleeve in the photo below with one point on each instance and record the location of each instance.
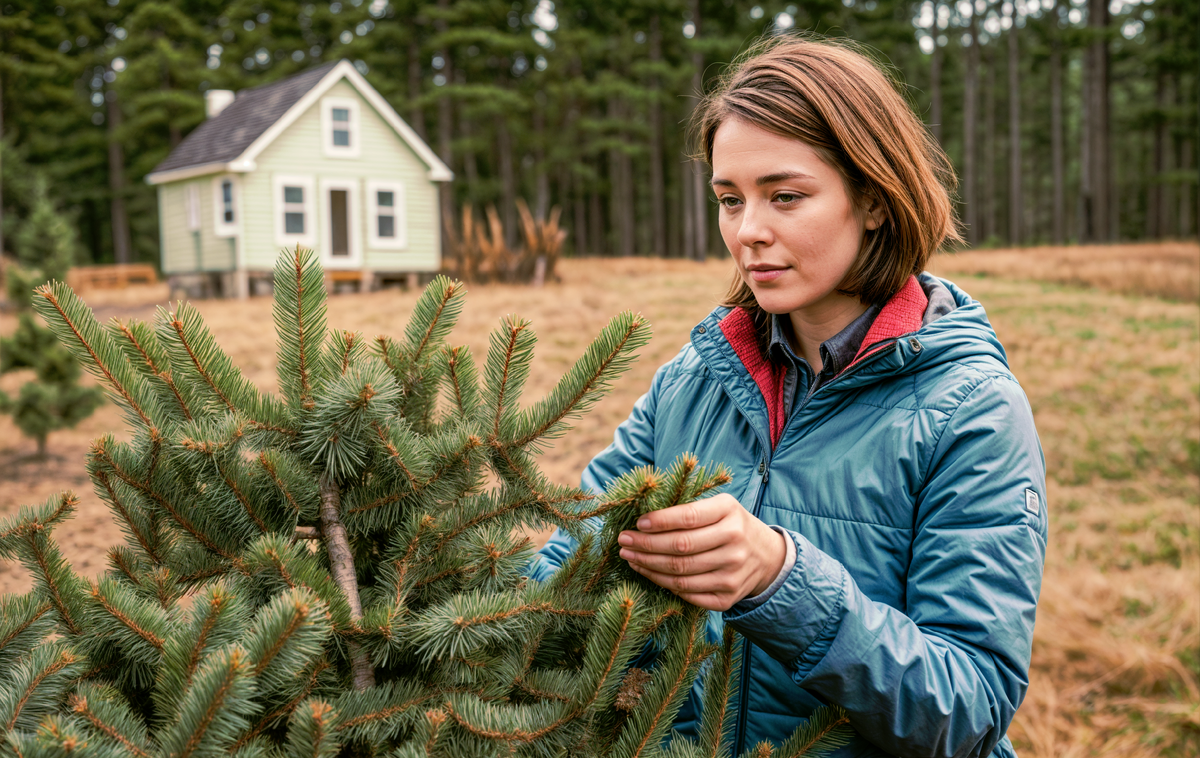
(1032, 503)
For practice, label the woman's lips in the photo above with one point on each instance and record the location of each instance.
(766, 274)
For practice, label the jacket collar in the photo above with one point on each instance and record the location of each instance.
(901, 315)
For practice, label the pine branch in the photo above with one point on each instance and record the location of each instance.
(827, 729)
(286, 638)
(648, 724)
(219, 617)
(27, 537)
(299, 311)
(105, 714)
(76, 327)
(509, 356)
(130, 520)
(287, 708)
(608, 356)
(434, 315)
(381, 712)
(717, 717)
(312, 732)
(462, 379)
(141, 348)
(115, 609)
(25, 621)
(341, 563)
(101, 456)
(211, 713)
(36, 686)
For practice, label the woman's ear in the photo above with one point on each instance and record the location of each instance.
(875, 214)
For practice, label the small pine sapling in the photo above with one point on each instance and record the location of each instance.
(341, 570)
(45, 243)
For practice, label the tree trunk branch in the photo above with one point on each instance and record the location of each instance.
(341, 563)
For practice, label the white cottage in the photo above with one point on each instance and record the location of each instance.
(319, 160)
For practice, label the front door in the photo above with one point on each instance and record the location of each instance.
(339, 223)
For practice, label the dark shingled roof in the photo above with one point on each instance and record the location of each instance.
(253, 111)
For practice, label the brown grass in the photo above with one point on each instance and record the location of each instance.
(1170, 270)
(1115, 386)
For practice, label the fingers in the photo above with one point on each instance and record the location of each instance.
(681, 565)
(715, 590)
(681, 542)
(688, 516)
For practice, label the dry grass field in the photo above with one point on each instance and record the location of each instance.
(1113, 374)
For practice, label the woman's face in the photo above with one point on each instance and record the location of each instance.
(787, 219)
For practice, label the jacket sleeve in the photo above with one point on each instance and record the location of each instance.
(944, 675)
(632, 446)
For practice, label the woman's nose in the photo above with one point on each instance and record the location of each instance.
(755, 229)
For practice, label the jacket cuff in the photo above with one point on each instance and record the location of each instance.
(747, 604)
(798, 620)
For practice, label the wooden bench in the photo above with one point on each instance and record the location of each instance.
(116, 276)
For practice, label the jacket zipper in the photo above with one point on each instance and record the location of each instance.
(765, 468)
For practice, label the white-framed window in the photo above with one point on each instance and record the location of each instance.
(225, 206)
(191, 206)
(341, 223)
(340, 133)
(387, 223)
(294, 208)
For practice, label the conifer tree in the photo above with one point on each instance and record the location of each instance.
(45, 243)
(329, 572)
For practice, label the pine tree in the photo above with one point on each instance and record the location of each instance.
(353, 584)
(45, 244)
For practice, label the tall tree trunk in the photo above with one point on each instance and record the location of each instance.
(620, 203)
(541, 178)
(596, 224)
(935, 77)
(1058, 223)
(116, 182)
(416, 118)
(1185, 189)
(1154, 186)
(581, 217)
(1166, 162)
(699, 190)
(508, 182)
(686, 188)
(446, 128)
(658, 215)
(1015, 204)
(970, 117)
(1, 162)
(469, 159)
(987, 165)
(1097, 193)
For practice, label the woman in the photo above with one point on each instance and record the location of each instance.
(881, 546)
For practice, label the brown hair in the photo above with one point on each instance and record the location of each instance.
(837, 101)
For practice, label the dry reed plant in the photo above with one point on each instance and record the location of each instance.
(479, 253)
(1170, 270)
(1114, 382)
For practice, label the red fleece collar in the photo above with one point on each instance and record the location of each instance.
(902, 314)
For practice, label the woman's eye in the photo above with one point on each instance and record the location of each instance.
(786, 197)
(729, 201)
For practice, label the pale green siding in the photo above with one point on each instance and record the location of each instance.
(383, 157)
(185, 251)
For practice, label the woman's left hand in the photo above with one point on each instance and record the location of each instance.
(712, 553)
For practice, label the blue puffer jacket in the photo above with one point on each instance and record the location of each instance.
(913, 486)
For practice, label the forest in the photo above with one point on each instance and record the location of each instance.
(1066, 120)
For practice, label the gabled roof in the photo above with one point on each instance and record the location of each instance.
(233, 139)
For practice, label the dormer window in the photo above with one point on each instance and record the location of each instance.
(340, 132)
